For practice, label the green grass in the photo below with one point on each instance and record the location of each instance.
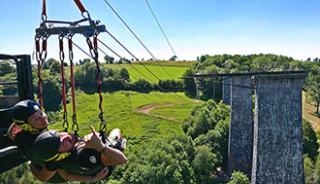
(171, 63)
(175, 72)
(120, 111)
(177, 112)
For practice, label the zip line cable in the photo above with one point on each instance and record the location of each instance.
(153, 74)
(122, 57)
(135, 35)
(136, 78)
(86, 53)
(115, 39)
(160, 27)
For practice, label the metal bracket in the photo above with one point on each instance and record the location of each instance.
(86, 30)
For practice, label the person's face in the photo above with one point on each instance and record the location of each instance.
(67, 142)
(38, 120)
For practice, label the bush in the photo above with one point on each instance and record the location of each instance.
(111, 84)
(309, 175)
(239, 178)
(170, 85)
(189, 84)
(310, 145)
(141, 85)
(204, 163)
(159, 162)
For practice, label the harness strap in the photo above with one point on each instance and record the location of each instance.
(63, 84)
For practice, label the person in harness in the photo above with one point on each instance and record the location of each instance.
(76, 159)
(28, 122)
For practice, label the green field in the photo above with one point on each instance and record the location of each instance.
(163, 71)
(121, 111)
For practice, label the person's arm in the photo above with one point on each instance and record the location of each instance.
(41, 172)
(112, 156)
(83, 178)
(109, 156)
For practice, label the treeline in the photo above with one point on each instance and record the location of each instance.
(85, 80)
(112, 80)
(211, 87)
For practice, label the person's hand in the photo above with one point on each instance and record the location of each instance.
(101, 174)
(13, 131)
(93, 140)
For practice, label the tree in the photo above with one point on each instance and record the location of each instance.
(171, 85)
(48, 62)
(20, 175)
(158, 163)
(124, 74)
(317, 169)
(313, 89)
(51, 93)
(55, 67)
(84, 61)
(9, 89)
(173, 58)
(310, 145)
(109, 59)
(6, 67)
(204, 163)
(309, 175)
(189, 84)
(238, 177)
(85, 77)
(141, 85)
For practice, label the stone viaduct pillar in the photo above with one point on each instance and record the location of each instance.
(277, 142)
(241, 127)
(226, 89)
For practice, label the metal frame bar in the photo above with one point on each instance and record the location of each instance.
(87, 30)
(9, 83)
(24, 75)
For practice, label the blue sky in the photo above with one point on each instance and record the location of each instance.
(194, 27)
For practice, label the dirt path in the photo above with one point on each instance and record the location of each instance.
(146, 109)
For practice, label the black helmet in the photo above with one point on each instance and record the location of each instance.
(46, 147)
(24, 109)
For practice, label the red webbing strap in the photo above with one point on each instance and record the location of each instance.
(75, 126)
(80, 6)
(63, 84)
(98, 78)
(44, 10)
(94, 54)
(40, 56)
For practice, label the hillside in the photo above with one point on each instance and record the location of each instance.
(174, 69)
(121, 110)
